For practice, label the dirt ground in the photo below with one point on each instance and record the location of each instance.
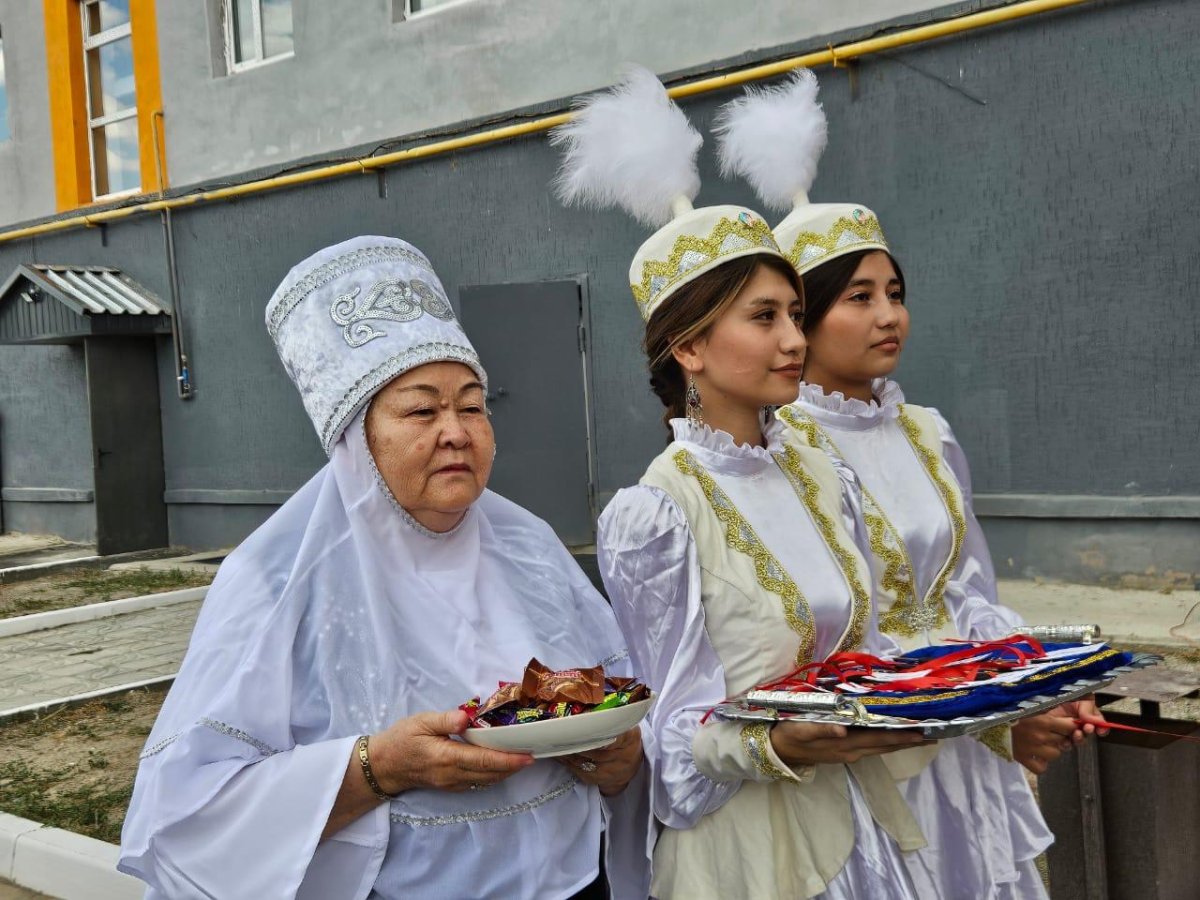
(74, 768)
(79, 587)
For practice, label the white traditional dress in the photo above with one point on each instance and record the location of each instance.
(934, 578)
(729, 565)
(341, 615)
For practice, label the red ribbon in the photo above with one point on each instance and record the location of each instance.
(1101, 723)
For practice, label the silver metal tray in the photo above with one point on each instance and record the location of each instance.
(851, 713)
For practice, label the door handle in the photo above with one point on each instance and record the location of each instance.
(500, 392)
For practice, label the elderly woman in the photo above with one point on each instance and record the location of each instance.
(309, 745)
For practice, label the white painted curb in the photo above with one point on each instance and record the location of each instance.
(61, 863)
(49, 565)
(43, 705)
(56, 617)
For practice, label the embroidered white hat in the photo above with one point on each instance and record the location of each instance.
(352, 317)
(774, 137)
(632, 147)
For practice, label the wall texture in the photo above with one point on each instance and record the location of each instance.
(1035, 181)
(358, 77)
(26, 163)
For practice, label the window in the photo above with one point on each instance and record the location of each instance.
(5, 133)
(419, 6)
(257, 31)
(111, 97)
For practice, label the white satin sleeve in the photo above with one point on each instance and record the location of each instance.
(971, 592)
(650, 569)
(247, 823)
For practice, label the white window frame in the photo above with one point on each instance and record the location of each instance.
(410, 13)
(231, 63)
(91, 43)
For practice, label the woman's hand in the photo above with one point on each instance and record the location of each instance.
(417, 752)
(609, 768)
(1085, 708)
(1039, 740)
(803, 744)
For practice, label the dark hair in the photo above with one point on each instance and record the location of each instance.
(689, 313)
(823, 284)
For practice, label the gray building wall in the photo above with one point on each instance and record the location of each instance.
(26, 161)
(358, 77)
(1034, 181)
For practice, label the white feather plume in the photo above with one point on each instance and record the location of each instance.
(629, 146)
(774, 137)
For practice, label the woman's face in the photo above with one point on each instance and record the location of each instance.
(753, 355)
(861, 336)
(432, 442)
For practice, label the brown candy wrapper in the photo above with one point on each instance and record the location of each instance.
(509, 692)
(568, 686)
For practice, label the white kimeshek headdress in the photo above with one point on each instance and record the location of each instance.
(352, 317)
(774, 137)
(632, 147)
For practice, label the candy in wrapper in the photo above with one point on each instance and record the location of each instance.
(577, 685)
(508, 692)
(544, 694)
(612, 701)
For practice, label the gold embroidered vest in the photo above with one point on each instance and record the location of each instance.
(784, 833)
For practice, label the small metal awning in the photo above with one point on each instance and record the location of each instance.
(44, 304)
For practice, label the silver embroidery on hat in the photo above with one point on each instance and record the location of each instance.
(335, 268)
(391, 299)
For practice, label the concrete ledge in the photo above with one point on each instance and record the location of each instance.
(62, 863)
(36, 710)
(227, 498)
(1085, 506)
(56, 617)
(46, 495)
(37, 570)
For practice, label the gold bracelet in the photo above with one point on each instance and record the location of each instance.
(365, 762)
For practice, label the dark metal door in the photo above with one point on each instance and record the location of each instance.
(532, 341)
(127, 456)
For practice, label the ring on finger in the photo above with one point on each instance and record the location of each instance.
(476, 786)
(587, 765)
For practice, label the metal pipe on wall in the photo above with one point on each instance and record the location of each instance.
(183, 378)
(831, 56)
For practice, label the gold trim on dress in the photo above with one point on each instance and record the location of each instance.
(997, 739)
(806, 489)
(756, 737)
(907, 615)
(933, 463)
(740, 536)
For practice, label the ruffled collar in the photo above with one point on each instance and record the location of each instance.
(835, 407)
(719, 451)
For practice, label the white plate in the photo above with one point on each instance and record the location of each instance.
(558, 737)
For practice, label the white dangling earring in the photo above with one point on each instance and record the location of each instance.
(691, 401)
